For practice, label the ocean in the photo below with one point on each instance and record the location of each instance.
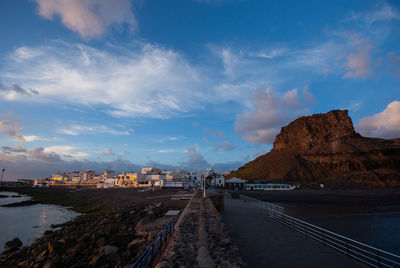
(28, 222)
(377, 229)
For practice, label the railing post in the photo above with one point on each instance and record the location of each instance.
(347, 247)
(378, 257)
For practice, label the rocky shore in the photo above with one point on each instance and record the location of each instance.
(109, 236)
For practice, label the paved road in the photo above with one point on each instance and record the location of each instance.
(264, 242)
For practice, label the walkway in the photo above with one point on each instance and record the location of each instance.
(264, 242)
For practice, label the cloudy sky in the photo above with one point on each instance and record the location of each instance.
(95, 84)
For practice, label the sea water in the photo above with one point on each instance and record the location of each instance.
(28, 222)
(377, 229)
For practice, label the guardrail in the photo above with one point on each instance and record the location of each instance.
(262, 204)
(364, 253)
(155, 247)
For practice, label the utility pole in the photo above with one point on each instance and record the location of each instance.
(2, 173)
(204, 183)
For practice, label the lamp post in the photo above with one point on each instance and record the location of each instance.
(204, 183)
(2, 174)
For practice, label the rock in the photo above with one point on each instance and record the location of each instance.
(54, 246)
(85, 237)
(48, 232)
(152, 235)
(100, 241)
(50, 264)
(135, 244)
(142, 222)
(309, 131)
(23, 263)
(108, 250)
(98, 260)
(163, 264)
(324, 148)
(13, 244)
(79, 248)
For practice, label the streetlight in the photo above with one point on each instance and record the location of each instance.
(2, 173)
(204, 183)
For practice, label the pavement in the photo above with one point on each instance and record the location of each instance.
(264, 242)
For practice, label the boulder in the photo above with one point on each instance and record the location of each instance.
(108, 250)
(13, 244)
(134, 244)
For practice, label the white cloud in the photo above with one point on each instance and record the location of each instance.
(12, 129)
(385, 124)
(108, 152)
(26, 53)
(271, 112)
(143, 80)
(90, 18)
(75, 130)
(382, 12)
(65, 151)
(195, 160)
(169, 138)
(29, 138)
(214, 132)
(40, 154)
(270, 53)
(225, 145)
(359, 63)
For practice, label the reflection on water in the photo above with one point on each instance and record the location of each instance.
(377, 229)
(28, 222)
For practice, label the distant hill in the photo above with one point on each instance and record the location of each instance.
(324, 148)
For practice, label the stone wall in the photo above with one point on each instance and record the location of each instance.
(201, 240)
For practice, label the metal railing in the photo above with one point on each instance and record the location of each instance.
(262, 204)
(364, 253)
(155, 247)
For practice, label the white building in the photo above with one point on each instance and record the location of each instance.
(195, 180)
(108, 173)
(235, 183)
(151, 170)
(218, 180)
(108, 183)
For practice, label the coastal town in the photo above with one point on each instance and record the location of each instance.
(150, 177)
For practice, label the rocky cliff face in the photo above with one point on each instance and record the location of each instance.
(325, 148)
(308, 131)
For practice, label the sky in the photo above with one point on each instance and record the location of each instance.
(121, 84)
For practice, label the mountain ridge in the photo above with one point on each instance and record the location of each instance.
(325, 148)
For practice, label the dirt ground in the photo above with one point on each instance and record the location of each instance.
(83, 200)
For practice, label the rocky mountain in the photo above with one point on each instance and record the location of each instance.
(325, 148)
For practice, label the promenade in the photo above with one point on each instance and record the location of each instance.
(264, 242)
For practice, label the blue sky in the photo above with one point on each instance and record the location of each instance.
(191, 84)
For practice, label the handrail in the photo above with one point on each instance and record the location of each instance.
(151, 252)
(362, 252)
(263, 204)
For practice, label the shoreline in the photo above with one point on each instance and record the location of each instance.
(115, 226)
